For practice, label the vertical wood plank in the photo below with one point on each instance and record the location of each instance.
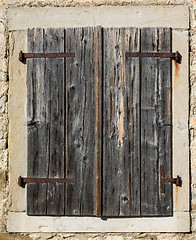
(83, 126)
(155, 123)
(45, 84)
(165, 119)
(37, 127)
(121, 123)
(55, 78)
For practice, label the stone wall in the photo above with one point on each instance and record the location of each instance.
(4, 85)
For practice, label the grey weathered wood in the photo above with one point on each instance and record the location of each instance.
(55, 90)
(45, 86)
(155, 123)
(65, 119)
(83, 116)
(37, 129)
(121, 123)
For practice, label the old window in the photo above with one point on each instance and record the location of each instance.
(107, 121)
(100, 116)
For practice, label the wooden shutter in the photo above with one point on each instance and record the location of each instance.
(136, 123)
(102, 119)
(46, 112)
(64, 122)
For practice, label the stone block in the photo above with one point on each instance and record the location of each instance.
(3, 65)
(193, 227)
(3, 88)
(3, 104)
(2, 178)
(3, 159)
(115, 238)
(96, 238)
(193, 198)
(42, 236)
(2, 46)
(57, 238)
(193, 175)
(3, 124)
(3, 143)
(6, 236)
(3, 76)
(193, 122)
(1, 134)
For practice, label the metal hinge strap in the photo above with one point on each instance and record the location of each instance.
(175, 56)
(177, 180)
(22, 181)
(24, 56)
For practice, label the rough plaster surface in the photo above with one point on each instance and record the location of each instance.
(4, 5)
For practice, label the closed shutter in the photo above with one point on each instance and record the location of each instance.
(46, 114)
(137, 123)
(64, 121)
(101, 118)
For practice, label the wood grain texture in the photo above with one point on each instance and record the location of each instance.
(100, 118)
(37, 127)
(121, 123)
(45, 84)
(83, 115)
(55, 92)
(155, 123)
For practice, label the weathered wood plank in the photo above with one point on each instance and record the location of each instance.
(83, 126)
(37, 127)
(45, 86)
(121, 124)
(165, 119)
(54, 78)
(155, 122)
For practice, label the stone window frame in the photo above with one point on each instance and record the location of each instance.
(19, 20)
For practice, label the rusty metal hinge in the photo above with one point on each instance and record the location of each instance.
(177, 180)
(24, 56)
(175, 56)
(22, 181)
